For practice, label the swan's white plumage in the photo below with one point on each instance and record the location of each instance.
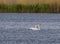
(36, 27)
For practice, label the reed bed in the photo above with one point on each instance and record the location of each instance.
(38, 8)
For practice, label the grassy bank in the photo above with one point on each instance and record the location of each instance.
(42, 8)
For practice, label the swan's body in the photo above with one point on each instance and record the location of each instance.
(36, 27)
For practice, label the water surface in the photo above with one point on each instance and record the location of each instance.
(14, 28)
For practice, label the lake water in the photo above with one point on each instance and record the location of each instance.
(14, 28)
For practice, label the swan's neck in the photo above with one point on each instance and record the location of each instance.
(37, 26)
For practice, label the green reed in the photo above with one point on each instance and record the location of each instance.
(38, 8)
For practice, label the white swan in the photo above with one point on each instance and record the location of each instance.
(36, 27)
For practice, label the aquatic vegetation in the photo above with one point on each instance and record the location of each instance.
(38, 8)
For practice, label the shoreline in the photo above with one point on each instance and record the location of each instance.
(38, 8)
